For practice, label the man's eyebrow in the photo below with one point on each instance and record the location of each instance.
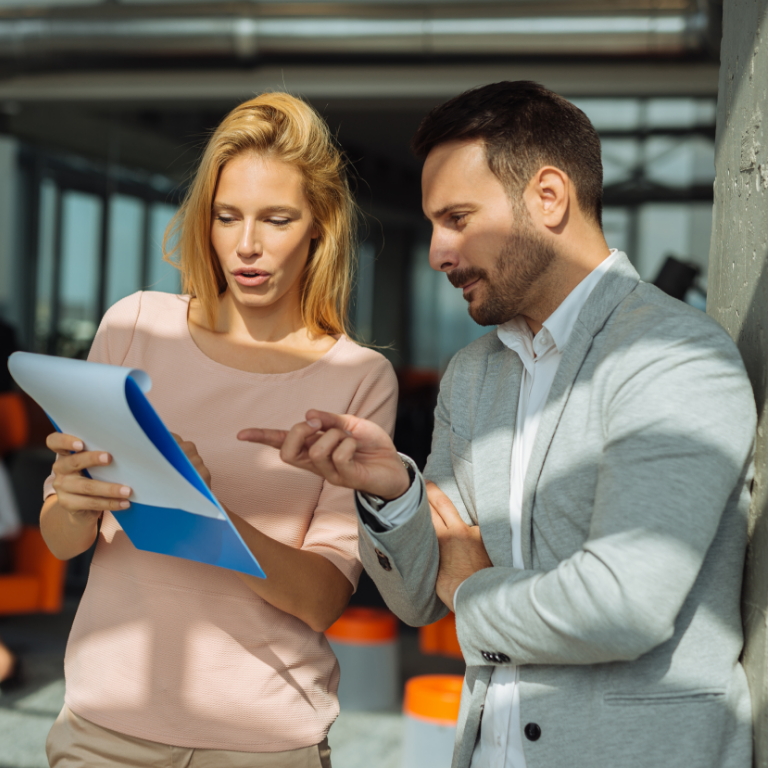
(448, 208)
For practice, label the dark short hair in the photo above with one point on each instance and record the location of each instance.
(524, 126)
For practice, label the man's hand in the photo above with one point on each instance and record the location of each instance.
(343, 449)
(462, 551)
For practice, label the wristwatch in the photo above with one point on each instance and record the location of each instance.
(377, 502)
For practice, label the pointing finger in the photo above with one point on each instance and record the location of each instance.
(274, 438)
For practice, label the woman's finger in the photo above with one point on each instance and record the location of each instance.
(64, 444)
(84, 486)
(76, 462)
(76, 503)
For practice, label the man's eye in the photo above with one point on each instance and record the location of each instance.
(457, 218)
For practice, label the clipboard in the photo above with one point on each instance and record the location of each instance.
(172, 512)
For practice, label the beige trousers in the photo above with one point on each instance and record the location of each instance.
(74, 742)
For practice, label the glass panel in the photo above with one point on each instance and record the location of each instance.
(616, 228)
(620, 157)
(46, 248)
(611, 114)
(364, 292)
(680, 113)
(680, 162)
(126, 228)
(663, 230)
(162, 276)
(80, 245)
(441, 325)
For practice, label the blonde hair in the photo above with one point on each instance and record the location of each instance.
(283, 127)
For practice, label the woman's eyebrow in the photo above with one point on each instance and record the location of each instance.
(285, 209)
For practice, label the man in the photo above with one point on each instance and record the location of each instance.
(586, 514)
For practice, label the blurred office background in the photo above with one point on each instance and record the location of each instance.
(106, 104)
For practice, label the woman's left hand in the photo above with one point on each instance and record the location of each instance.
(190, 451)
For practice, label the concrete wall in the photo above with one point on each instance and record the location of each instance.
(738, 290)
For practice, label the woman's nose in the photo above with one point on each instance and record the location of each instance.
(249, 243)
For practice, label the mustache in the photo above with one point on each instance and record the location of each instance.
(459, 277)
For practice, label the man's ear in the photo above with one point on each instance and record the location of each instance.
(548, 196)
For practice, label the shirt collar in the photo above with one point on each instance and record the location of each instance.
(516, 334)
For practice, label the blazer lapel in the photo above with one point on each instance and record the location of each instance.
(617, 283)
(492, 452)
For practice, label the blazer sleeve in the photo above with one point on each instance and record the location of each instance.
(403, 562)
(679, 423)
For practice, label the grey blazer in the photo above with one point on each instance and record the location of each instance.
(625, 621)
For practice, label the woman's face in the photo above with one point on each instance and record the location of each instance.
(261, 230)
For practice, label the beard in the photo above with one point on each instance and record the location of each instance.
(523, 259)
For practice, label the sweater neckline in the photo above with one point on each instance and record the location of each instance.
(300, 373)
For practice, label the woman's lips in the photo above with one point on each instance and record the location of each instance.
(250, 280)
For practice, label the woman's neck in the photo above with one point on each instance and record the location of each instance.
(242, 324)
(259, 340)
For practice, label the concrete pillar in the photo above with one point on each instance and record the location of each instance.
(738, 291)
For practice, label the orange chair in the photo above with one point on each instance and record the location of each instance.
(37, 581)
(14, 424)
(440, 638)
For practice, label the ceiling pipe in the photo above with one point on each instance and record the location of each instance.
(248, 37)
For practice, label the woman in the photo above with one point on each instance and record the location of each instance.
(173, 662)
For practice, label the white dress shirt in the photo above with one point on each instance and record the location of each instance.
(501, 738)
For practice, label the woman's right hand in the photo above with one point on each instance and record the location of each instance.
(82, 497)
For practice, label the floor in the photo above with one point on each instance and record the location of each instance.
(372, 740)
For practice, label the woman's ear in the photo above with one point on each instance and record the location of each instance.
(549, 196)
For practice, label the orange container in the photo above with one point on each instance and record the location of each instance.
(364, 626)
(433, 698)
(440, 638)
(365, 641)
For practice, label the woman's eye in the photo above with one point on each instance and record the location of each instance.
(279, 222)
(224, 219)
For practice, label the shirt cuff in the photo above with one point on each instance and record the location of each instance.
(456, 594)
(399, 511)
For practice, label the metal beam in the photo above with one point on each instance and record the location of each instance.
(423, 85)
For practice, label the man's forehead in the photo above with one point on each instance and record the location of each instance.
(455, 175)
(457, 152)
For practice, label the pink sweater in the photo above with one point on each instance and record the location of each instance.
(183, 653)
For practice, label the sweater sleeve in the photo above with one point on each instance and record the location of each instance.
(333, 530)
(111, 343)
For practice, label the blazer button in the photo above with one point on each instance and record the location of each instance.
(503, 658)
(383, 560)
(532, 731)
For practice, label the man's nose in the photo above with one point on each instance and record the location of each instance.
(442, 255)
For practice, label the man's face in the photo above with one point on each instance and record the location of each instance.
(486, 244)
